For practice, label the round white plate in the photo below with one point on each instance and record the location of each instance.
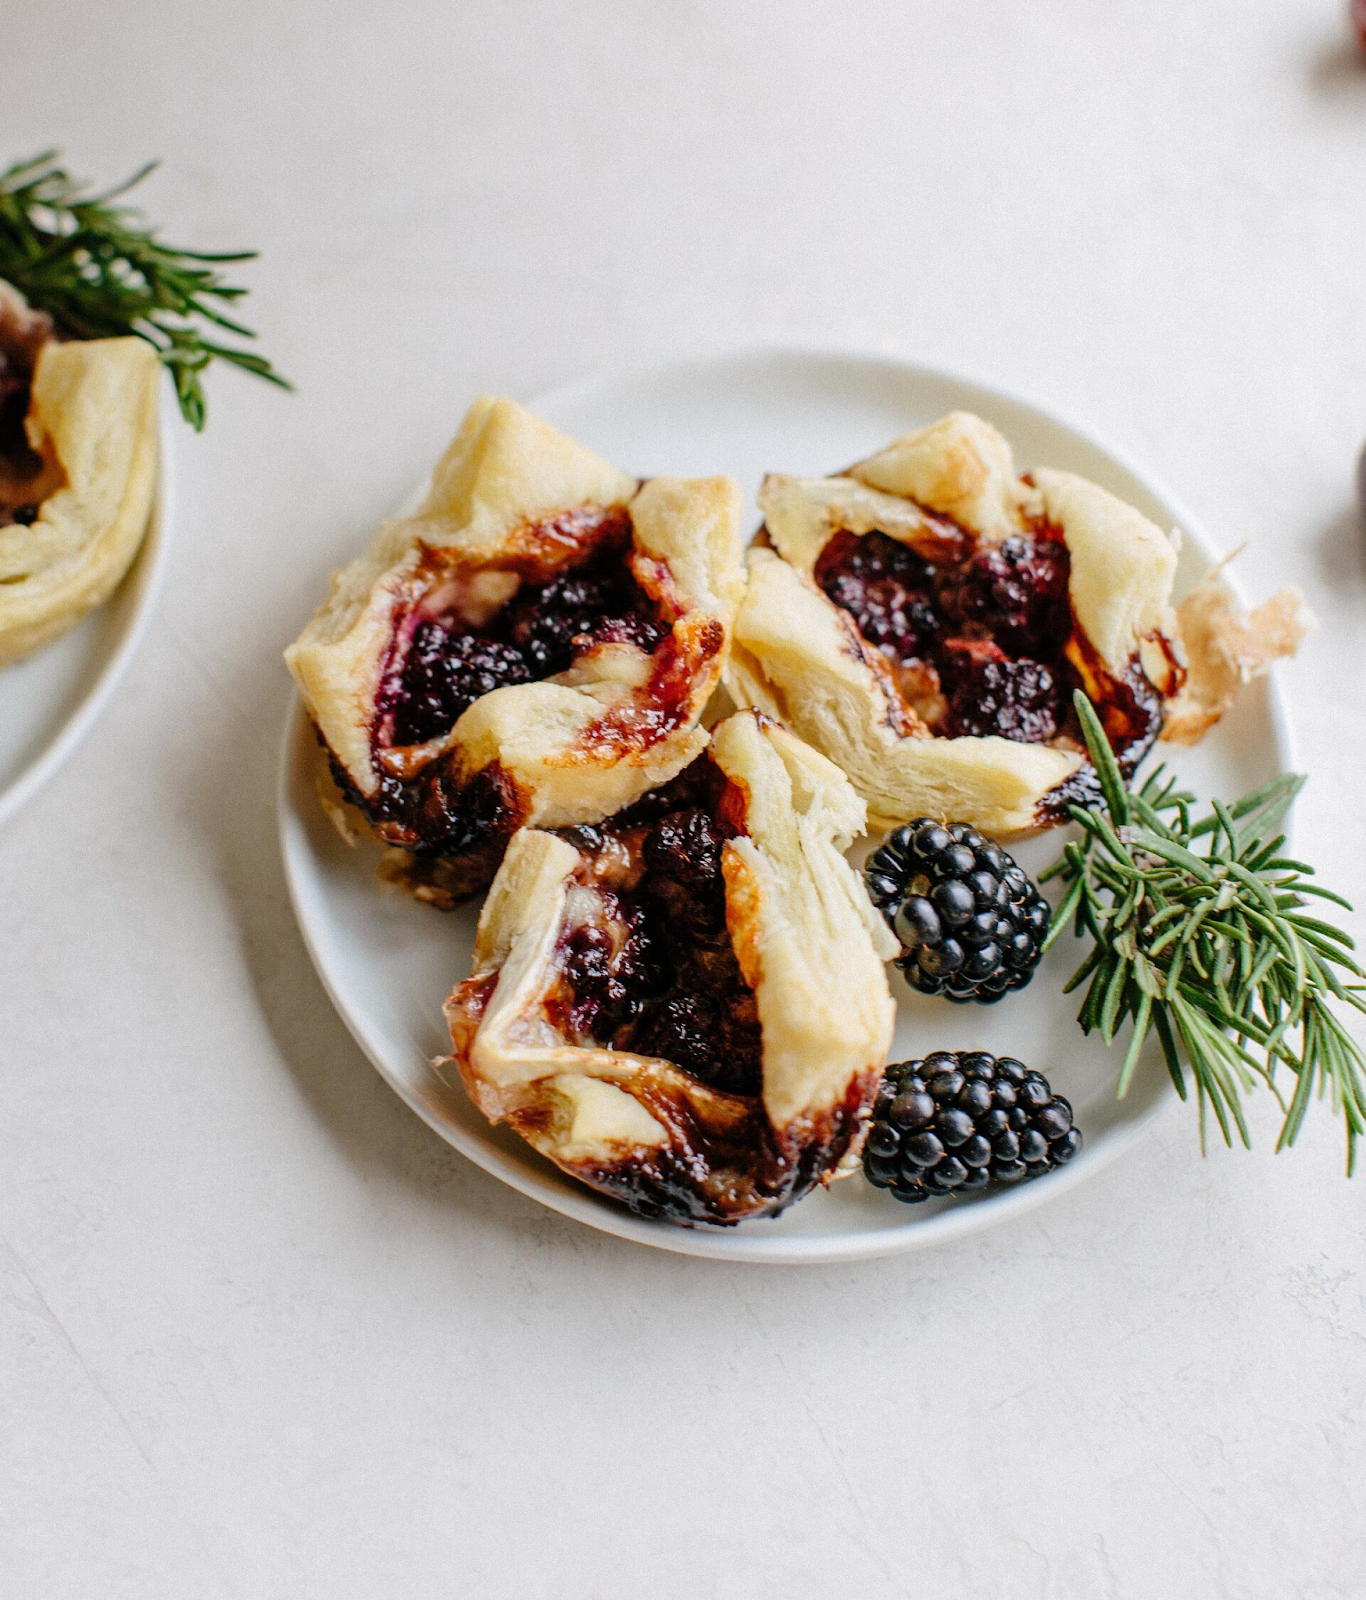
(388, 962)
(49, 701)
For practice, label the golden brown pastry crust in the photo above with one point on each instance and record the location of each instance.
(799, 658)
(513, 497)
(809, 945)
(93, 419)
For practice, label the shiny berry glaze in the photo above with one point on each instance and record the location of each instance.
(602, 603)
(610, 971)
(444, 673)
(658, 976)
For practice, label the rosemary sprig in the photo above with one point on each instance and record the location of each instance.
(1203, 934)
(100, 271)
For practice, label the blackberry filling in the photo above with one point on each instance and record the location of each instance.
(989, 692)
(1016, 592)
(976, 640)
(647, 963)
(550, 620)
(22, 335)
(887, 589)
(600, 604)
(444, 674)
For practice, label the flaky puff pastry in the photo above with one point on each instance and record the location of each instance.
(798, 657)
(809, 945)
(514, 501)
(92, 423)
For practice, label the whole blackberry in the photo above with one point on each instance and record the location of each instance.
(958, 1121)
(969, 920)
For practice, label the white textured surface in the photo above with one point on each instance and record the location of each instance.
(263, 1334)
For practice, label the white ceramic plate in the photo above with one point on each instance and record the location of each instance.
(388, 962)
(49, 701)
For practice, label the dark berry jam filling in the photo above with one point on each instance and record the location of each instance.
(725, 1164)
(1016, 592)
(437, 815)
(443, 674)
(600, 603)
(977, 641)
(990, 692)
(887, 589)
(550, 619)
(651, 969)
(22, 335)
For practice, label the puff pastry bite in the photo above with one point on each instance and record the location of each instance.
(686, 1007)
(923, 618)
(78, 459)
(533, 646)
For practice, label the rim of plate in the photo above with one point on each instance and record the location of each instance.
(549, 1187)
(143, 581)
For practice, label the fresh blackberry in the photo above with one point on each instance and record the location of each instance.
(960, 1120)
(969, 920)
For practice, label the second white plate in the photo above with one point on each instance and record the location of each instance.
(388, 963)
(49, 701)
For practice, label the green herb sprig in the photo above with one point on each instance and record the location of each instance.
(1214, 950)
(101, 272)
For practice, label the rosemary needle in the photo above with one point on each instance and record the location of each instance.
(1202, 932)
(100, 271)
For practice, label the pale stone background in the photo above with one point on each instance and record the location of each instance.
(264, 1334)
